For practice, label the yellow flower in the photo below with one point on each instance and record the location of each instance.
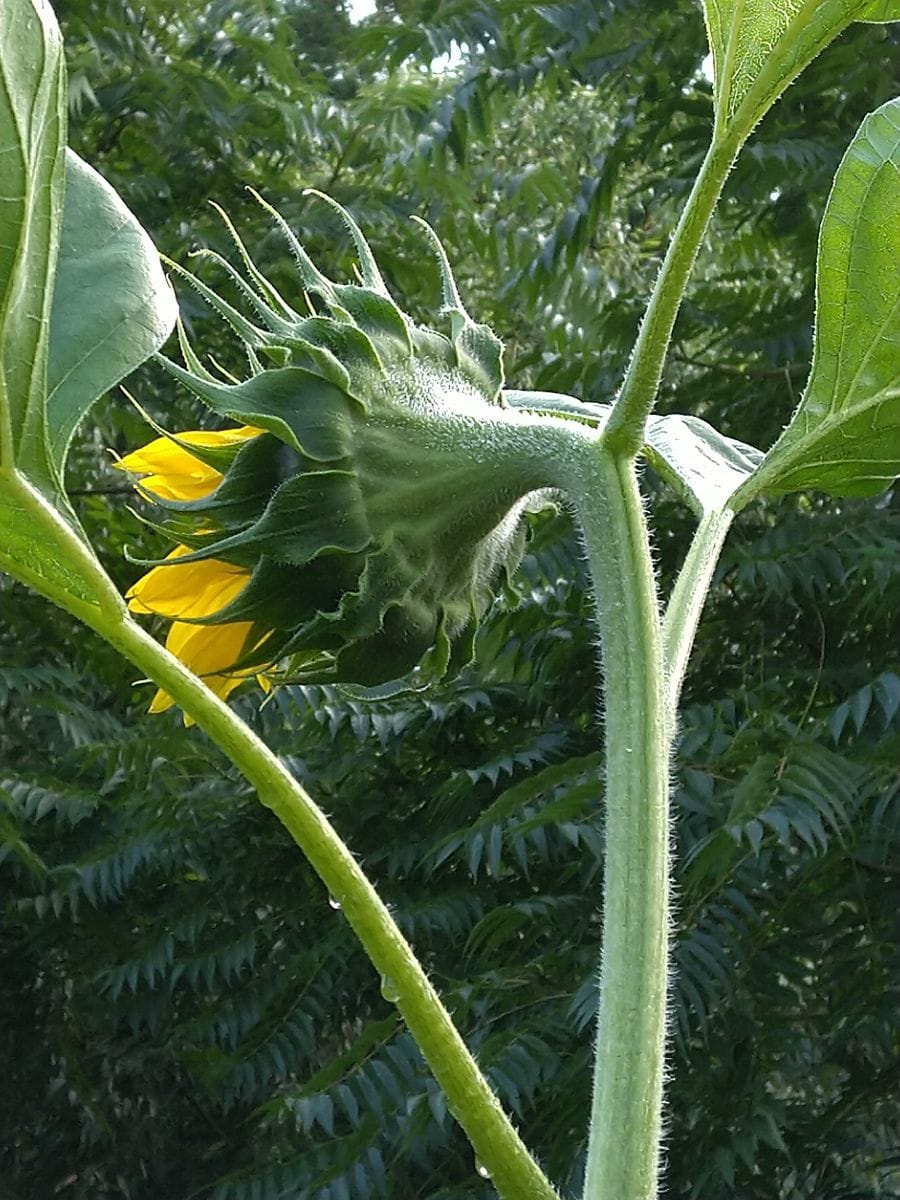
(173, 473)
(209, 651)
(378, 507)
(198, 589)
(195, 589)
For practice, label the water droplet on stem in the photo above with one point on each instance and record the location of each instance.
(389, 989)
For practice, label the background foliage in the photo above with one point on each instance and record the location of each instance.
(183, 1013)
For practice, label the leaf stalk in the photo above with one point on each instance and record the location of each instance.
(688, 597)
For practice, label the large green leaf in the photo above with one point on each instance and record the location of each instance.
(845, 435)
(760, 46)
(880, 12)
(556, 404)
(701, 464)
(112, 306)
(32, 133)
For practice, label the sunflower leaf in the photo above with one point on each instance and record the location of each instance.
(106, 256)
(33, 549)
(759, 48)
(702, 465)
(32, 133)
(844, 437)
(880, 12)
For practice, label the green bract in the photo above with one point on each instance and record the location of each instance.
(385, 497)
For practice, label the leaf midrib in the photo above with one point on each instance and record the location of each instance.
(886, 161)
(801, 443)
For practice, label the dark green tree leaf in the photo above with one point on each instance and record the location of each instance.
(845, 435)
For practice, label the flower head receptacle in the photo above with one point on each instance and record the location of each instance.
(354, 526)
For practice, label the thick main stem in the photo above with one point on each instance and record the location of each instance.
(623, 1149)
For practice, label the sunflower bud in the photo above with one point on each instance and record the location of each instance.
(353, 528)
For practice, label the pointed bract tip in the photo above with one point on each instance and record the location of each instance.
(371, 276)
(310, 274)
(449, 290)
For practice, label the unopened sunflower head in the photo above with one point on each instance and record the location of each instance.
(353, 527)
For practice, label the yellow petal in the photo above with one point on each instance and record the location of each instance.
(194, 589)
(209, 651)
(173, 473)
(160, 702)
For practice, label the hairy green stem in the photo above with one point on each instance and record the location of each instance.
(625, 429)
(623, 1149)
(496, 1143)
(688, 597)
(641, 680)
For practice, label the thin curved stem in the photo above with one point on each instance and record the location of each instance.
(58, 563)
(496, 1143)
(688, 597)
